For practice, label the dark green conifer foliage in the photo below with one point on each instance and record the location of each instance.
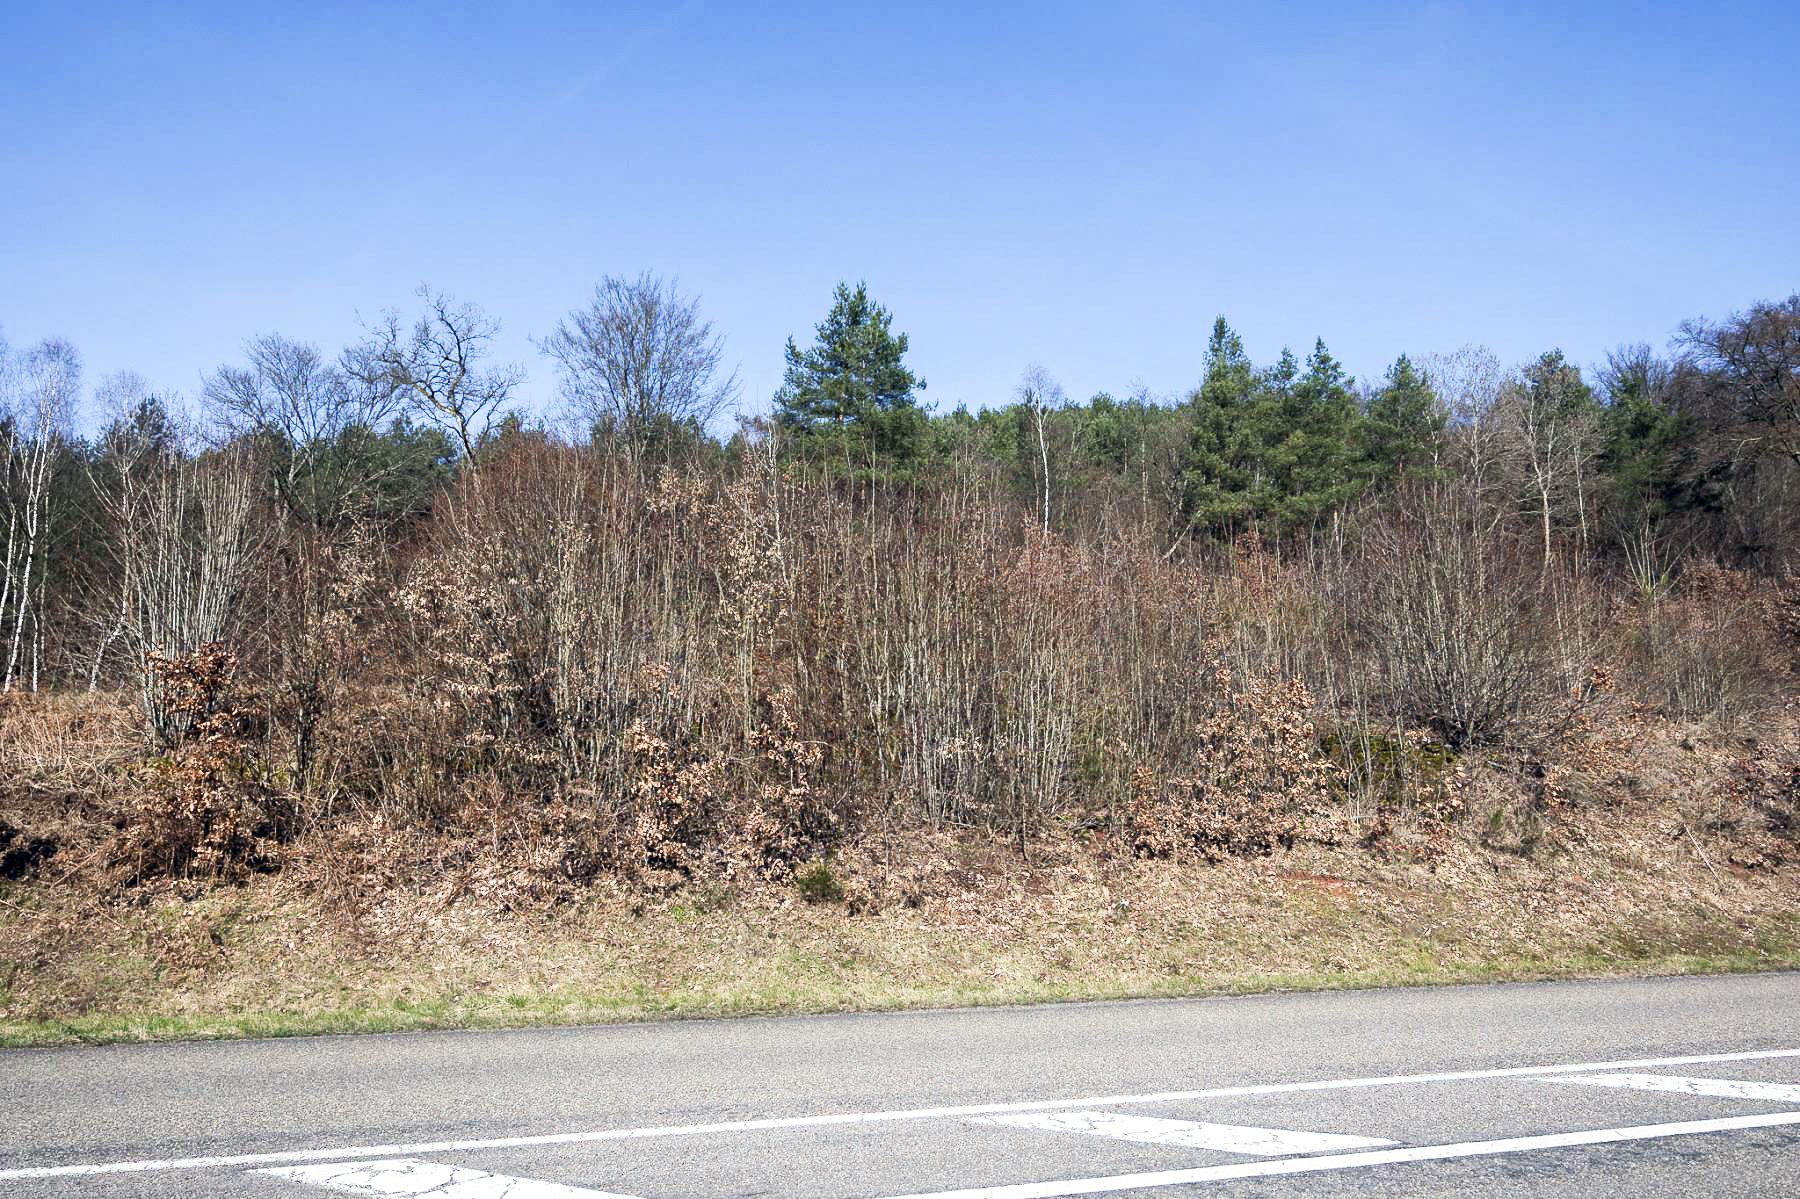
(1404, 424)
(1315, 463)
(1271, 449)
(848, 398)
(1224, 454)
(1646, 441)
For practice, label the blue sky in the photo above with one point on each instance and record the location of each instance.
(1081, 186)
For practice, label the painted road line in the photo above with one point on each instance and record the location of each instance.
(1715, 1088)
(1355, 1161)
(1149, 1130)
(403, 1176)
(428, 1148)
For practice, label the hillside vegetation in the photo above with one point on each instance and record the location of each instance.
(374, 702)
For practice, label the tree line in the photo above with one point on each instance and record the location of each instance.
(363, 582)
(1648, 456)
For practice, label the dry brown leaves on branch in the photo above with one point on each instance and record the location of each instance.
(206, 812)
(1259, 780)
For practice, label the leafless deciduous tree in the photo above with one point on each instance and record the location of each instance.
(1637, 370)
(1037, 391)
(433, 367)
(186, 528)
(1469, 383)
(37, 398)
(1468, 635)
(136, 424)
(301, 406)
(1551, 420)
(639, 360)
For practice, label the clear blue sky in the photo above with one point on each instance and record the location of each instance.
(1082, 186)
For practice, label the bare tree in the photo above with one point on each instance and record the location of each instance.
(1636, 370)
(1470, 384)
(35, 406)
(301, 406)
(1551, 418)
(1468, 635)
(433, 368)
(185, 523)
(319, 422)
(639, 360)
(137, 429)
(1037, 391)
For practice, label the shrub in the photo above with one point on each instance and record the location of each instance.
(205, 811)
(1474, 637)
(1257, 775)
(1710, 648)
(818, 883)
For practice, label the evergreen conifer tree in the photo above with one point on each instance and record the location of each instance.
(1403, 425)
(848, 398)
(1224, 454)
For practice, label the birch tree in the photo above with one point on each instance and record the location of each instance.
(138, 429)
(1553, 422)
(1036, 392)
(37, 398)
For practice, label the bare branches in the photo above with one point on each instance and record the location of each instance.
(432, 368)
(291, 389)
(1550, 416)
(47, 382)
(639, 362)
(302, 408)
(1468, 383)
(187, 530)
(1754, 359)
(1037, 391)
(182, 524)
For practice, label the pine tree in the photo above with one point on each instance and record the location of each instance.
(848, 398)
(1313, 458)
(1404, 422)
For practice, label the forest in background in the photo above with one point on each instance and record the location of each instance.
(355, 597)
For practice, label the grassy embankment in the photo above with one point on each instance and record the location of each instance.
(1623, 892)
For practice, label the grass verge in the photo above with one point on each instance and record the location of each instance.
(277, 958)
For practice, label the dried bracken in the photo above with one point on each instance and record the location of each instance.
(580, 670)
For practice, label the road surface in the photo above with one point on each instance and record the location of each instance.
(1655, 1087)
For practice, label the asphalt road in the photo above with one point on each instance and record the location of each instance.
(1661, 1087)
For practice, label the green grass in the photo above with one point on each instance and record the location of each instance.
(812, 985)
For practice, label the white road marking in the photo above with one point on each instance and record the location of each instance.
(403, 1176)
(1149, 1130)
(1716, 1088)
(427, 1148)
(1353, 1161)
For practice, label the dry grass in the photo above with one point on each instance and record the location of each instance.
(1624, 892)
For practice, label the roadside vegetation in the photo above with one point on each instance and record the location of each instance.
(350, 699)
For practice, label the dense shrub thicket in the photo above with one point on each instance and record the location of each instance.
(1279, 607)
